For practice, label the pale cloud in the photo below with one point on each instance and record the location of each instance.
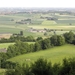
(37, 3)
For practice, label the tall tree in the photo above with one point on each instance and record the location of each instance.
(69, 37)
(54, 40)
(46, 43)
(41, 67)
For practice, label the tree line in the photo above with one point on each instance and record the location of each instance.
(15, 37)
(43, 67)
(41, 44)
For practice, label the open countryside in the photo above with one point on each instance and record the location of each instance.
(29, 36)
(55, 55)
(32, 23)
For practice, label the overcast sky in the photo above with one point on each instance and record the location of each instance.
(37, 3)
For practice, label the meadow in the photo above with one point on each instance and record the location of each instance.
(55, 55)
(5, 45)
(2, 71)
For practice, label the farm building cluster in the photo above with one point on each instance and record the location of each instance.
(37, 30)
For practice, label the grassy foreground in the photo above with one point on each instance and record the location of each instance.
(55, 55)
(2, 71)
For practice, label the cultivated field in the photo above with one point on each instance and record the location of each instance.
(55, 55)
(8, 23)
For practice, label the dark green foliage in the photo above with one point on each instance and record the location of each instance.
(39, 38)
(68, 67)
(31, 48)
(54, 40)
(18, 48)
(20, 37)
(46, 43)
(41, 67)
(21, 33)
(10, 72)
(3, 58)
(37, 46)
(23, 69)
(69, 37)
(60, 40)
(56, 69)
(30, 38)
(57, 40)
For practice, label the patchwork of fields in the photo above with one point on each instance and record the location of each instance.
(10, 24)
(64, 22)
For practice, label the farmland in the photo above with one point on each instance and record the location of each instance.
(10, 23)
(55, 55)
(41, 24)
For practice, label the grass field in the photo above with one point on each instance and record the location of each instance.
(55, 55)
(2, 71)
(5, 45)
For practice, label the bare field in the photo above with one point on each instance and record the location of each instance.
(5, 35)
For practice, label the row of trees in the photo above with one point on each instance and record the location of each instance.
(21, 47)
(15, 37)
(42, 67)
(69, 37)
(41, 44)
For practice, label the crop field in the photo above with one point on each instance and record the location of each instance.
(8, 23)
(55, 55)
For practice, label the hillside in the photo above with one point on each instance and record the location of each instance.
(54, 55)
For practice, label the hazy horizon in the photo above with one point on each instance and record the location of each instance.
(38, 3)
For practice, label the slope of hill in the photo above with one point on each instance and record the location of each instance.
(55, 55)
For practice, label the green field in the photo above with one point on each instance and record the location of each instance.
(63, 22)
(55, 55)
(2, 71)
(5, 45)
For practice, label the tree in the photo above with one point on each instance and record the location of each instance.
(41, 67)
(54, 40)
(46, 43)
(60, 40)
(23, 69)
(56, 69)
(39, 38)
(31, 47)
(68, 67)
(21, 33)
(37, 46)
(69, 37)
(30, 38)
(57, 40)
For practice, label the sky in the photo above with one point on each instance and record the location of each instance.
(38, 3)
